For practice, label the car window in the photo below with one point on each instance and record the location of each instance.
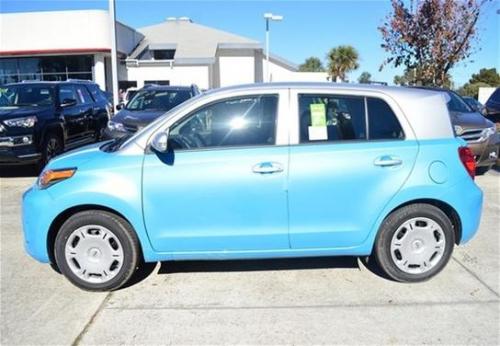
(456, 104)
(26, 95)
(242, 121)
(97, 93)
(67, 92)
(157, 99)
(382, 122)
(83, 94)
(331, 118)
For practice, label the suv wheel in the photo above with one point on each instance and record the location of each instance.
(414, 243)
(51, 147)
(97, 250)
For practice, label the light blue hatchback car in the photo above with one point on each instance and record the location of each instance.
(263, 171)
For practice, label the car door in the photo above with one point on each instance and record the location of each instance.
(74, 119)
(222, 186)
(86, 110)
(350, 158)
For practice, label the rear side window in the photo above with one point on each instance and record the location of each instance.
(330, 118)
(97, 94)
(84, 94)
(382, 122)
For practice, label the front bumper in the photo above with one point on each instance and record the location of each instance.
(486, 152)
(37, 217)
(18, 150)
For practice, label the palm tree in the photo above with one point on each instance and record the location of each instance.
(342, 60)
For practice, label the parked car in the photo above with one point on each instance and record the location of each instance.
(473, 127)
(492, 108)
(39, 120)
(263, 171)
(147, 104)
(474, 104)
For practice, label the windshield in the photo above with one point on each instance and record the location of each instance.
(26, 95)
(157, 99)
(457, 104)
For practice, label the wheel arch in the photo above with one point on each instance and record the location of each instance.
(57, 223)
(450, 212)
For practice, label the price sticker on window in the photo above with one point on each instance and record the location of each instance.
(318, 114)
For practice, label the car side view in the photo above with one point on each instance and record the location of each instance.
(39, 120)
(263, 171)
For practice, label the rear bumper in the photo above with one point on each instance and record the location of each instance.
(467, 199)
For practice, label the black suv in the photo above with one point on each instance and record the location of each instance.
(146, 105)
(39, 120)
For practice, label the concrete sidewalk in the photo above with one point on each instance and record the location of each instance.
(298, 301)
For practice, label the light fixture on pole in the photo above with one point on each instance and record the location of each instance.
(269, 17)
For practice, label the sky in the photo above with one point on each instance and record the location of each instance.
(309, 28)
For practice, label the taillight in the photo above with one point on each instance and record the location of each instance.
(467, 158)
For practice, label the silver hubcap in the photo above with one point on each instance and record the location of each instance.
(94, 254)
(418, 245)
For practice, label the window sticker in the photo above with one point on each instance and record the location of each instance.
(318, 114)
(317, 130)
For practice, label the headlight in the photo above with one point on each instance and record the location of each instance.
(458, 130)
(21, 122)
(52, 176)
(487, 133)
(115, 126)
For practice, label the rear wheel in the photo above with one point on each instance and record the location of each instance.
(414, 243)
(97, 250)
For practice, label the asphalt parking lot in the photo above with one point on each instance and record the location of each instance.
(304, 301)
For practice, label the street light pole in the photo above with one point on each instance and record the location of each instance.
(268, 17)
(114, 58)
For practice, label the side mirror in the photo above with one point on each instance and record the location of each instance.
(160, 142)
(119, 106)
(68, 102)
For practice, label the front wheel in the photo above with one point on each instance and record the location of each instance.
(414, 243)
(52, 146)
(97, 250)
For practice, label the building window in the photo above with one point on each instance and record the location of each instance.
(47, 68)
(164, 54)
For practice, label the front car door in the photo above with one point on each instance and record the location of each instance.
(222, 186)
(349, 156)
(74, 118)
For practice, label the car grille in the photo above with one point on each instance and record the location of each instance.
(472, 135)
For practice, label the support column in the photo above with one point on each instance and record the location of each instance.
(99, 75)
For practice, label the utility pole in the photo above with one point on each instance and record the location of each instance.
(268, 17)
(114, 56)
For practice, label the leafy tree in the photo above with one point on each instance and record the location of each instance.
(485, 78)
(410, 78)
(312, 64)
(365, 78)
(342, 60)
(430, 36)
(486, 75)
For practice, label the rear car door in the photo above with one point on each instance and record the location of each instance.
(349, 159)
(223, 185)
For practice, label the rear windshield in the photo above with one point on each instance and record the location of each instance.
(157, 99)
(26, 95)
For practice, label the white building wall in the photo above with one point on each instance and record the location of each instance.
(177, 75)
(282, 74)
(236, 70)
(98, 72)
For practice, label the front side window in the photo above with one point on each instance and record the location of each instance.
(157, 99)
(67, 93)
(382, 122)
(331, 118)
(26, 95)
(242, 121)
(83, 94)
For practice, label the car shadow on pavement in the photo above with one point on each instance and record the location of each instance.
(18, 171)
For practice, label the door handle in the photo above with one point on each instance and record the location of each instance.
(387, 161)
(268, 167)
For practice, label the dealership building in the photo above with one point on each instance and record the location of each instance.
(60, 45)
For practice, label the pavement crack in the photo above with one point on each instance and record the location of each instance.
(91, 320)
(476, 277)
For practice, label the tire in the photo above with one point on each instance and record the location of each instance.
(482, 170)
(52, 146)
(406, 250)
(99, 133)
(97, 250)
